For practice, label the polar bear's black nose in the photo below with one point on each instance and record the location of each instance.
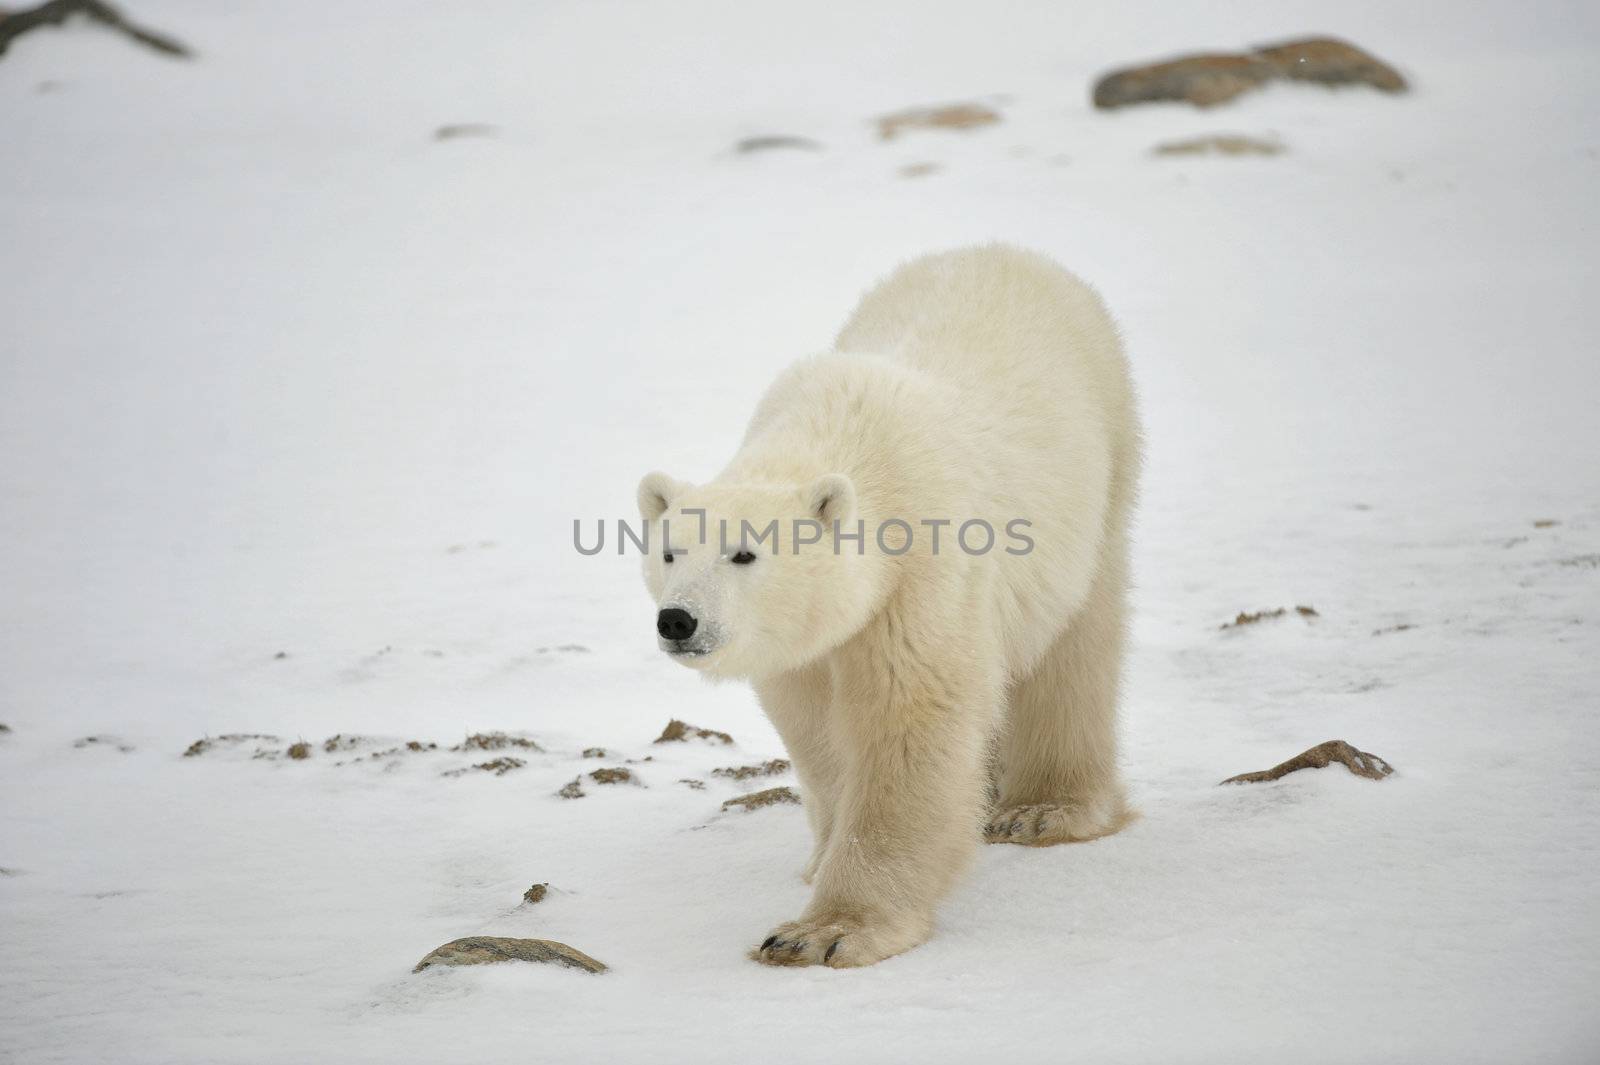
(675, 624)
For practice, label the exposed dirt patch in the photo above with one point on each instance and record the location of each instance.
(498, 766)
(495, 741)
(482, 950)
(573, 789)
(771, 143)
(1221, 144)
(1360, 763)
(300, 751)
(944, 116)
(680, 731)
(776, 767)
(1268, 615)
(594, 752)
(536, 893)
(614, 775)
(230, 739)
(697, 785)
(757, 799)
(1208, 79)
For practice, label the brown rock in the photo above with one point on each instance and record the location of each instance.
(757, 799)
(947, 116)
(536, 893)
(300, 751)
(1208, 79)
(572, 789)
(615, 775)
(1330, 61)
(1203, 80)
(1360, 763)
(483, 950)
(681, 731)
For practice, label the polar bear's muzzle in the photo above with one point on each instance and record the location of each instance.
(681, 634)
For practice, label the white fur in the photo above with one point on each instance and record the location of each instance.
(928, 700)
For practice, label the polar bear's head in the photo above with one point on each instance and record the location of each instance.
(739, 589)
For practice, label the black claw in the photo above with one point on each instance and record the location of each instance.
(768, 944)
(829, 956)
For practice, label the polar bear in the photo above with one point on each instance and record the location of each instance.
(932, 691)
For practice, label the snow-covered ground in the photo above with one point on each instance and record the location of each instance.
(280, 372)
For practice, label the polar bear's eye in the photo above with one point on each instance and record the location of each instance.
(743, 558)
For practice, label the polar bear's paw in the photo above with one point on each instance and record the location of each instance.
(1047, 823)
(838, 941)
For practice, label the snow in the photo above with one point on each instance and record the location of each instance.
(282, 373)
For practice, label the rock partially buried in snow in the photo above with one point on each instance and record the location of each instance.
(495, 741)
(769, 143)
(1255, 618)
(229, 739)
(1221, 144)
(1208, 79)
(774, 768)
(573, 789)
(757, 799)
(485, 950)
(1360, 763)
(498, 766)
(681, 731)
(948, 116)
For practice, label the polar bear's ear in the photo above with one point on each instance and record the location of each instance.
(656, 493)
(832, 497)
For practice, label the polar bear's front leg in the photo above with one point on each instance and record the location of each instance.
(906, 823)
(797, 705)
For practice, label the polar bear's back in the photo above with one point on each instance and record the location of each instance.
(997, 320)
(1020, 337)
